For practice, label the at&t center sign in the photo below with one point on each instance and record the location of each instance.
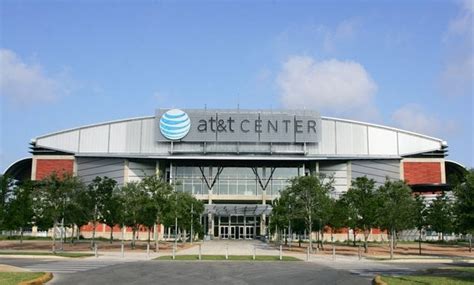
(192, 125)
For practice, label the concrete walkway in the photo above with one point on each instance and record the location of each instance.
(233, 247)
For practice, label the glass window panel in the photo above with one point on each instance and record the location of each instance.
(242, 187)
(197, 187)
(251, 187)
(285, 172)
(223, 188)
(233, 187)
(188, 187)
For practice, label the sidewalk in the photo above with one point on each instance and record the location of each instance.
(232, 247)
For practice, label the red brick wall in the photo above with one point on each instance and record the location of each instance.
(45, 167)
(422, 172)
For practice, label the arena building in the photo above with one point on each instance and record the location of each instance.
(237, 161)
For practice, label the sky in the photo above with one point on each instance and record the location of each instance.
(405, 64)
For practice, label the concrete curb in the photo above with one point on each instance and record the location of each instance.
(38, 281)
(378, 281)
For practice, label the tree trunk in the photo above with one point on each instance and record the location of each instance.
(111, 234)
(391, 243)
(322, 239)
(470, 242)
(72, 233)
(354, 234)
(78, 234)
(149, 235)
(366, 241)
(155, 233)
(54, 236)
(133, 237)
(395, 240)
(419, 244)
(94, 224)
(21, 235)
(348, 237)
(310, 234)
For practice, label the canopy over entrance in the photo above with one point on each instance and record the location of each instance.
(237, 209)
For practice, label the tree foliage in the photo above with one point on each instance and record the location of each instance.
(362, 203)
(308, 198)
(440, 216)
(464, 205)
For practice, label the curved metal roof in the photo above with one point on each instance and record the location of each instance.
(339, 138)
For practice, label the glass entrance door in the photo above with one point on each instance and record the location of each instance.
(224, 233)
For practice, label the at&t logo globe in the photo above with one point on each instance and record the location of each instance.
(175, 124)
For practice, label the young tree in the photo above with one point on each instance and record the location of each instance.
(441, 215)
(362, 200)
(396, 210)
(99, 192)
(339, 215)
(6, 188)
(78, 210)
(131, 196)
(19, 208)
(280, 214)
(112, 213)
(189, 209)
(309, 197)
(464, 206)
(50, 200)
(419, 218)
(160, 192)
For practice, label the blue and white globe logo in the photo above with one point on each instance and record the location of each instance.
(175, 124)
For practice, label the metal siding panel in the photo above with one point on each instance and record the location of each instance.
(328, 137)
(132, 136)
(94, 139)
(377, 170)
(382, 141)
(339, 172)
(67, 141)
(410, 144)
(138, 170)
(88, 169)
(117, 138)
(149, 145)
(351, 139)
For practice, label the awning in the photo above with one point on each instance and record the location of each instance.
(237, 209)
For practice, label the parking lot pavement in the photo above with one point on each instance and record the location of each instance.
(213, 272)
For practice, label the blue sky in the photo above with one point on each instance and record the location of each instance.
(400, 63)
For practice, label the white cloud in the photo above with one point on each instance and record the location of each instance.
(457, 75)
(24, 83)
(331, 86)
(412, 117)
(344, 31)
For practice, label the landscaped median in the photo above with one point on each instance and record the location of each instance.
(47, 253)
(24, 278)
(231, 257)
(436, 276)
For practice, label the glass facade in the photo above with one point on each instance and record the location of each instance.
(233, 180)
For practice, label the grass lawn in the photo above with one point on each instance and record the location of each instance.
(231, 257)
(13, 278)
(438, 276)
(63, 254)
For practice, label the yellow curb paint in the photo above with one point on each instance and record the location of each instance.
(38, 281)
(378, 281)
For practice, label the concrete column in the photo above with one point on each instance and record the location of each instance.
(210, 225)
(262, 224)
(254, 226)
